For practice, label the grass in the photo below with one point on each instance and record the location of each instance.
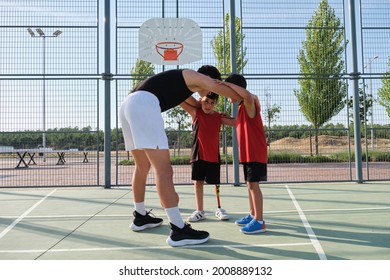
(285, 157)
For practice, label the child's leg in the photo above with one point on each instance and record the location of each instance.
(255, 200)
(198, 186)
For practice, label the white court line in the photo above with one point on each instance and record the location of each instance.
(14, 223)
(308, 228)
(156, 248)
(324, 210)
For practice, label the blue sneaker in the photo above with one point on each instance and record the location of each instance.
(254, 227)
(242, 222)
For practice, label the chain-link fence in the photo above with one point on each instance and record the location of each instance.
(297, 57)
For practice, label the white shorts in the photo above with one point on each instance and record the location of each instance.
(142, 123)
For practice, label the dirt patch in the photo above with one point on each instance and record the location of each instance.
(328, 143)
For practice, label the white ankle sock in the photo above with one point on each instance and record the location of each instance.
(174, 216)
(140, 208)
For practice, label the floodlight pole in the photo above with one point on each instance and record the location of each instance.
(355, 76)
(44, 97)
(43, 36)
(372, 98)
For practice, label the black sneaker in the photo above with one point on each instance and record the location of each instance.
(141, 222)
(186, 236)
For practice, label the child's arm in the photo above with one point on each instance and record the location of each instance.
(197, 82)
(190, 105)
(248, 97)
(229, 121)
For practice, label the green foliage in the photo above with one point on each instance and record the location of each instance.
(143, 69)
(221, 47)
(384, 91)
(376, 156)
(285, 157)
(177, 116)
(180, 118)
(373, 156)
(321, 56)
(175, 160)
(86, 138)
(303, 131)
(126, 162)
(365, 105)
(271, 114)
(57, 138)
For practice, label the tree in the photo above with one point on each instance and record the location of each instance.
(384, 91)
(221, 47)
(271, 114)
(143, 69)
(179, 117)
(365, 105)
(323, 96)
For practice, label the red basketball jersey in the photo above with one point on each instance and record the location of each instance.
(251, 136)
(205, 136)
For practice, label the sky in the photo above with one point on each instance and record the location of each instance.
(273, 31)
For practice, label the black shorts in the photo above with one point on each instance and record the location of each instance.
(207, 171)
(255, 171)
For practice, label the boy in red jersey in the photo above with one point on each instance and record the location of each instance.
(205, 161)
(253, 153)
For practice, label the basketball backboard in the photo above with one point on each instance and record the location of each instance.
(170, 41)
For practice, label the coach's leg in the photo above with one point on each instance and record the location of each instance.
(142, 219)
(141, 170)
(169, 199)
(161, 163)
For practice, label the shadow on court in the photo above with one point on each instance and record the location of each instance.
(304, 222)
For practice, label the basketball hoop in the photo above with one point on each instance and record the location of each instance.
(169, 50)
(170, 41)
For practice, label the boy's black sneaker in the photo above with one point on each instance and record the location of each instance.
(186, 236)
(141, 222)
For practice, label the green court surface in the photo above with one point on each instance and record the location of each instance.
(337, 221)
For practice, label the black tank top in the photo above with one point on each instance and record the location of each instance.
(169, 87)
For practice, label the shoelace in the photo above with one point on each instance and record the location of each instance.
(252, 224)
(149, 212)
(188, 226)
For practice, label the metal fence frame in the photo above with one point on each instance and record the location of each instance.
(111, 80)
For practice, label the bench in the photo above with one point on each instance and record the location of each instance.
(30, 154)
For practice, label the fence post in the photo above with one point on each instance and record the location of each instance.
(236, 166)
(354, 75)
(107, 77)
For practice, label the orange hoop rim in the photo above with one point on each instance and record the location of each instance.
(176, 47)
(158, 45)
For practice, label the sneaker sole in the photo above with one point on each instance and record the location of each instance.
(189, 220)
(137, 228)
(223, 218)
(253, 232)
(186, 242)
(241, 225)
